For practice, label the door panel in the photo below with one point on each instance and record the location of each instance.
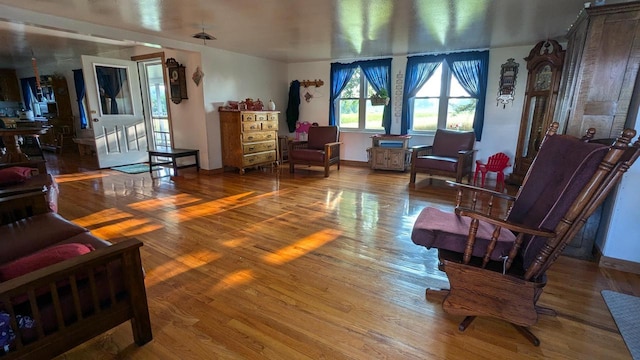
(115, 109)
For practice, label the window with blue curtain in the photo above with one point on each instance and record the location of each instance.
(28, 90)
(445, 91)
(352, 85)
(78, 81)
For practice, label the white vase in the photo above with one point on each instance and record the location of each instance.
(272, 105)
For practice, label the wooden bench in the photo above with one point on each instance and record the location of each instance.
(173, 154)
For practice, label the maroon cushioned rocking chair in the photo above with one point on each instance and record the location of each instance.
(496, 266)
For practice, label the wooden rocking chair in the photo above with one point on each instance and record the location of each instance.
(496, 266)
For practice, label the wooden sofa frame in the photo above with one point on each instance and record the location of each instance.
(129, 303)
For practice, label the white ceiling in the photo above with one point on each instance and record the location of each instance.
(283, 30)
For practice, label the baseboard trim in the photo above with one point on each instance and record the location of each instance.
(354, 163)
(212, 171)
(618, 264)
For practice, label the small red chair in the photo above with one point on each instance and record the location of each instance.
(496, 163)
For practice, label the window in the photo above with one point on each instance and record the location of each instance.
(352, 86)
(445, 91)
(443, 103)
(356, 111)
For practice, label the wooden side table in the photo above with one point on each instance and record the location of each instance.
(173, 154)
(389, 152)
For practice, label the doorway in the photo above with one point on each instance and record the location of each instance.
(154, 99)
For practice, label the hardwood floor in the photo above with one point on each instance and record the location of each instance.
(279, 266)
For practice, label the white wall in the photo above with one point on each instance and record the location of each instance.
(232, 76)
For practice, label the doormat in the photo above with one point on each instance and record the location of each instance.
(625, 310)
(133, 168)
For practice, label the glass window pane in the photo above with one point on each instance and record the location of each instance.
(352, 90)
(433, 85)
(349, 113)
(425, 114)
(157, 92)
(370, 90)
(456, 89)
(460, 114)
(373, 117)
(114, 90)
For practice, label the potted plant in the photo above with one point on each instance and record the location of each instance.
(380, 98)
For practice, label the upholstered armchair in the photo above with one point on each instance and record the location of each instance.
(450, 155)
(496, 263)
(322, 148)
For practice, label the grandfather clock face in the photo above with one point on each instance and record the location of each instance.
(543, 78)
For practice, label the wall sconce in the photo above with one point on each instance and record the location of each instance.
(507, 85)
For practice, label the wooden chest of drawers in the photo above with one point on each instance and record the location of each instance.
(249, 138)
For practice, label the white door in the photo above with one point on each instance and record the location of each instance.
(115, 110)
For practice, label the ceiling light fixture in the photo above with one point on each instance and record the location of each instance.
(203, 36)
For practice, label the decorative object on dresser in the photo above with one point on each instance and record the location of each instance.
(249, 138)
(544, 64)
(321, 149)
(177, 81)
(497, 264)
(389, 152)
(450, 155)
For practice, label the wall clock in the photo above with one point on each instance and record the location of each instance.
(177, 81)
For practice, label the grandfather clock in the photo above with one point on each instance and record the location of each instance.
(544, 64)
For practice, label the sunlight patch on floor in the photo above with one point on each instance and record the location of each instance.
(164, 202)
(232, 243)
(132, 227)
(180, 265)
(236, 278)
(78, 177)
(101, 217)
(302, 247)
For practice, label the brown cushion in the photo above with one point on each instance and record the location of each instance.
(448, 142)
(561, 169)
(308, 155)
(443, 230)
(320, 135)
(34, 233)
(14, 175)
(49, 256)
(437, 163)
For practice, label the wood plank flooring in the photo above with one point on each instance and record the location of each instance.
(270, 265)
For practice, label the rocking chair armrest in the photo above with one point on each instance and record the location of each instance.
(520, 228)
(482, 190)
